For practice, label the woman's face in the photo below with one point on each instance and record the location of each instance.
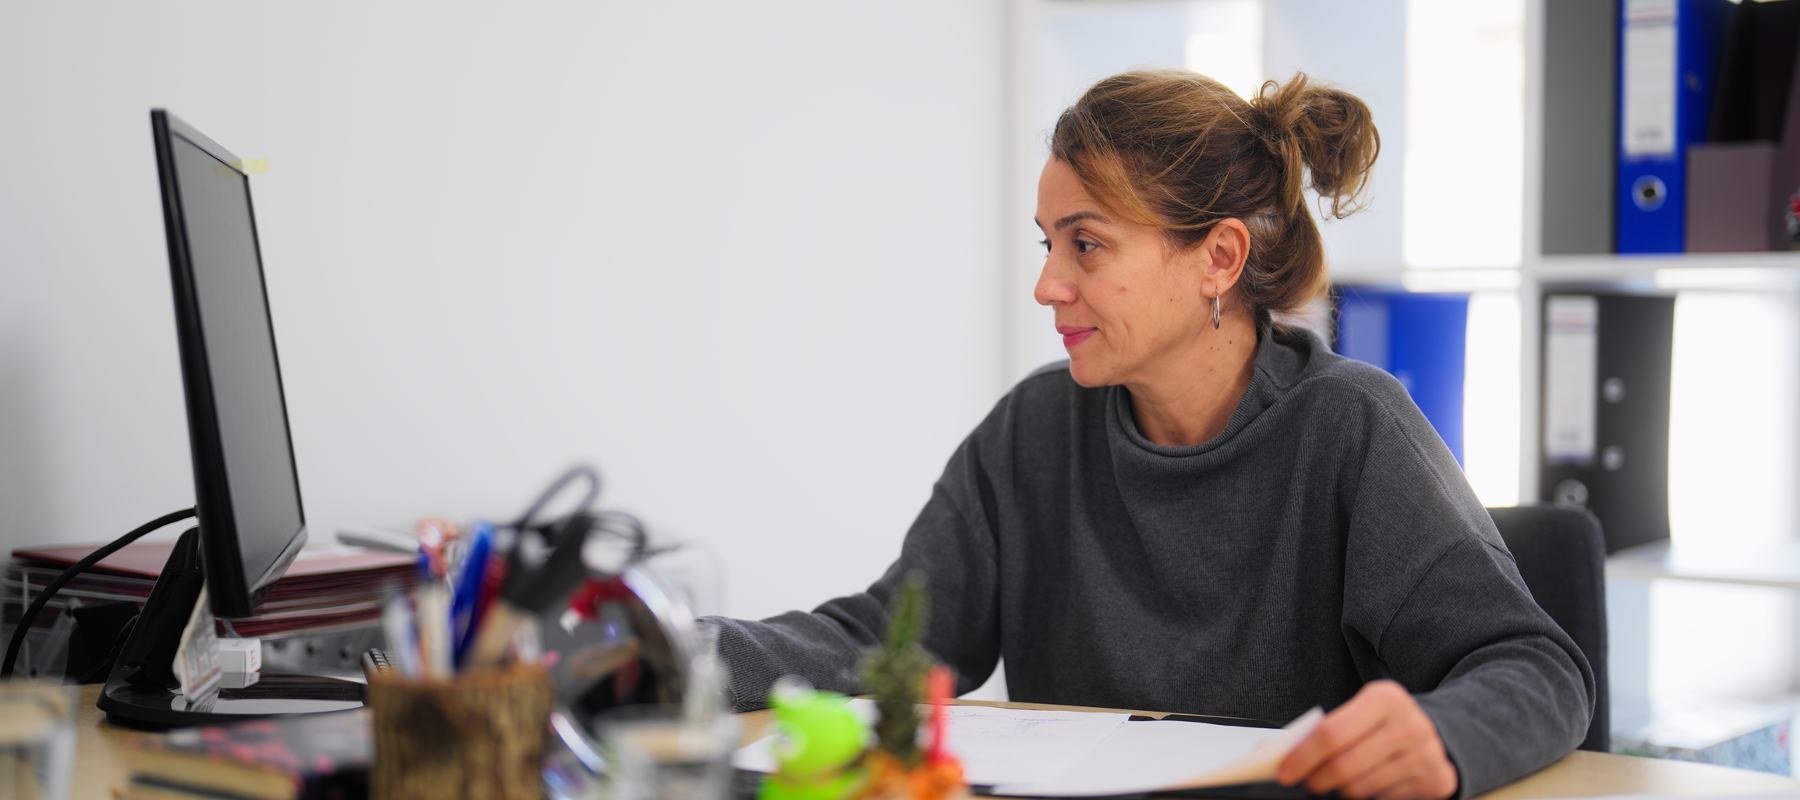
(1127, 301)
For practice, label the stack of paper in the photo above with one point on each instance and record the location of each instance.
(328, 587)
(1156, 755)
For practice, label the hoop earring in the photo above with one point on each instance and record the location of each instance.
(1215, 312)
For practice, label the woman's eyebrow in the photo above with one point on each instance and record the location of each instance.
(1079, 216)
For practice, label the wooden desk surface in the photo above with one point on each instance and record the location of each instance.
(99, 761)
(100, 768)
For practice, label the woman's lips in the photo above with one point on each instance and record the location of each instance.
(1073, 335)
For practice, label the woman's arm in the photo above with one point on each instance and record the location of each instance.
(952, 547)
(1507, 689)
(1434, 601)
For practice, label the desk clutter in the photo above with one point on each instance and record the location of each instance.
(827, 746)
(329, 593)
(823, 749)
(498, 649)
(543, 658)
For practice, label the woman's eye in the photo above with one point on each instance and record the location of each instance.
(1084, 246)
(1045, 243)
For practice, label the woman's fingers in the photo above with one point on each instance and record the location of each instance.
(1379, 744)
(1340, 729)
(1378, 751)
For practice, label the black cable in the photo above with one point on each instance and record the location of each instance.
(621, 523)
(50, 590)
(587, 501)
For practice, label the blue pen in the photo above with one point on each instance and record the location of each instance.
(467, 591)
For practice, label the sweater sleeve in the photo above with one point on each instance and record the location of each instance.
(1440, 600)
(955, 551)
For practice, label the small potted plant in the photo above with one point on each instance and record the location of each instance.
(900, 674)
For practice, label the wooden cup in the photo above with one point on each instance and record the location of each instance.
(481, 735)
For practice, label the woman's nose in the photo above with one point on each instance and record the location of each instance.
(1051, 289)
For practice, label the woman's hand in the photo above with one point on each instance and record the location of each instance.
(1380, 744)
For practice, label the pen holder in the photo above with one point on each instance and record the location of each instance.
(481, 734)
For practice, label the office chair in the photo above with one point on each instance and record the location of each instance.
(1562, 557)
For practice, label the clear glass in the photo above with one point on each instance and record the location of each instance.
(657, 753)
(37, 739)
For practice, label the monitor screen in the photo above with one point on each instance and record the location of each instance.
(247, 491)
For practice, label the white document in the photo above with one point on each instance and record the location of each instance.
(1168, 755)
(1003, 745)
(1571, 376)
(196, 663)
(996, 745)
(1649, 78)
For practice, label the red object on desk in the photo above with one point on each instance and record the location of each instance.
(937, 692)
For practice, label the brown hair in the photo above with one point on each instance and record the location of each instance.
(1179, 151)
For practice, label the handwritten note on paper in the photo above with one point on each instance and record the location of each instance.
(1158, 755)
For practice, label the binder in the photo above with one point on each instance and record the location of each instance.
(1605, 411)
(1420, 339)
(1668, 63)
(1756, 70)
(1579, 127)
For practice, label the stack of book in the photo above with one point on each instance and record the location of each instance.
(327, 588)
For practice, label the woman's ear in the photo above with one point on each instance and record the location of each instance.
(1227, 247)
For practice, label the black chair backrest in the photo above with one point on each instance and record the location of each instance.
(1562, 557)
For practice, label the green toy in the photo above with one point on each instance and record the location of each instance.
(822, 739)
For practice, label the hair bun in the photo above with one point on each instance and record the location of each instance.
(1322, 131)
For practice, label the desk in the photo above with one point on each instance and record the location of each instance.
(100, 767)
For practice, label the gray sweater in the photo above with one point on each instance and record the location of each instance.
(1325, 539)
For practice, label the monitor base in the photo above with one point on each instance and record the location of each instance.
(143, 692)
(273, 695)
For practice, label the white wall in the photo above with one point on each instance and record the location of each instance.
(1361, 48)
(742, 256)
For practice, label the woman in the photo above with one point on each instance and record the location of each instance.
(1206, 510)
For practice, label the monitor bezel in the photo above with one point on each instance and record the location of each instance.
(233, 592)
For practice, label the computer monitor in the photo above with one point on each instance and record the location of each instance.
(247, 496)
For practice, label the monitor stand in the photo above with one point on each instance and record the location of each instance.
(143, 692)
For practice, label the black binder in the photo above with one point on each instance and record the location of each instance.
(1616, 461)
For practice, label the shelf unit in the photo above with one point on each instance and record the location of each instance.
(1726, 272)
(1632, 573)
(1752, 272)
(1774, 566)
